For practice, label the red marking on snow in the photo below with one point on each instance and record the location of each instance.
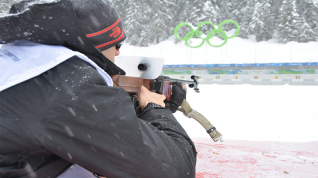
(303, 153)
(256, 159)
(269, 156)
(206, 174)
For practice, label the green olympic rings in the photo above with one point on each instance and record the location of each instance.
(210, 35)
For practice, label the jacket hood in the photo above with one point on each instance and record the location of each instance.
(52, 22)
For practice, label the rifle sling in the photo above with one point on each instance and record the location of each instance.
(189, 112)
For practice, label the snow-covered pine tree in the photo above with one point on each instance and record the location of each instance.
(238, 10)
(180, 14)
(209, 14)
(306, 34)
(247, 8)
(216, 5)
(120, 7)
(308, 21)
(195, 9)
(262, 21)
(230, 10)
(159, 18)
(288, 22)
(308, 9)
(151, 21)
(276, 5)
(133, 20)
(210, 11)
(223, 9)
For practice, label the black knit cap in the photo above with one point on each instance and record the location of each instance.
(100, 22)
(87, 26)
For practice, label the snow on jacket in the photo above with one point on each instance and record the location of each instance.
(68, 114)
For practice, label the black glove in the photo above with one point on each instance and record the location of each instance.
(177, 97)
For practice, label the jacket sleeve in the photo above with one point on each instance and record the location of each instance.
(95, 126)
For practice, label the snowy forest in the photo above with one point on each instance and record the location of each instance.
(149, 22)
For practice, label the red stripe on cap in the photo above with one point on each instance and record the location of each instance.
(122, 35)
(103, 31)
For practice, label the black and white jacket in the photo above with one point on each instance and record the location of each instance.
(70, 115)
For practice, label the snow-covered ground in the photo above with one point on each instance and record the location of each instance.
(256, 159)
(256, 113)
(246, 112)
(268, 131)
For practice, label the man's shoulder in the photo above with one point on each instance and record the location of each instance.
(74, 73)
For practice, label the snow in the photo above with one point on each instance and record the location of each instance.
(29, 4)
(280, 113)
(256, 159)
(268, 131)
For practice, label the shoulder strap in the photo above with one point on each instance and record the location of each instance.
(189, 112)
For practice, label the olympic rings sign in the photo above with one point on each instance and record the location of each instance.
(210, 35)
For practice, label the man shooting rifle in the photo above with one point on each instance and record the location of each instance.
(59, 106)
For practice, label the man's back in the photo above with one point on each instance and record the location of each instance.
(24, 106)
(69, 114)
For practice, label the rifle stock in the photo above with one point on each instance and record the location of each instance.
(160, 85)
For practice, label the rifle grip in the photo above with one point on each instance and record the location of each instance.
(167, 90)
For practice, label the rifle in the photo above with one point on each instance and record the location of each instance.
(146, 72)
(162, 85)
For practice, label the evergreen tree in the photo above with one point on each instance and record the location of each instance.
(306, 34)
(288, 21)
(223, 10)
(231, 10)
(237, 9)
(202, 11)
(133, 20)
(209, 14)
(159, 20)
(151, 21)
(309, 11)
(195, 9)
(216, 5)
(121, 7)
(245, 24)
(179, 12)
(262, 21)
(180, 15)
(308, 20)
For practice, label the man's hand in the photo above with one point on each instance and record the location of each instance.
(177, 97)
(147, 96)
